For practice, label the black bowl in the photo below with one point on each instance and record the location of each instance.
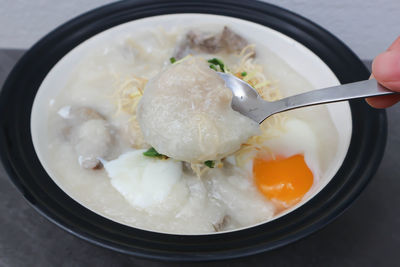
(22, 164)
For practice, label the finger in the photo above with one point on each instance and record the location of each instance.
(386, 68)
(395, 45)
(383, 101)
(387, 71)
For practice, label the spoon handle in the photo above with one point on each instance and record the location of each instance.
(332, 94)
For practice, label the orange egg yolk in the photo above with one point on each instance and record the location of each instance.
(283, 180)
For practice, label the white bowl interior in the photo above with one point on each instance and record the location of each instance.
(297, 56)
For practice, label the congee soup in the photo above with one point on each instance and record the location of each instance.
(143, 132)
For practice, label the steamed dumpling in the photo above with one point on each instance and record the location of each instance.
(185, 113)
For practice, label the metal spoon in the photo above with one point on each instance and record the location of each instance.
(248, 102)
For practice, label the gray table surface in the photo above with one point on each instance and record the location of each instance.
(367, 234)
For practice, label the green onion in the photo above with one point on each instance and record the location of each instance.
(172, 60)
(213, 67)
(217, 62)
(209, 163)
(151, 152)
(243, 73)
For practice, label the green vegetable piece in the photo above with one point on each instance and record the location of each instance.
(213, 67)
(209, 163)
(172, 60)
(151, 152)
(217, 62)
(243, 73)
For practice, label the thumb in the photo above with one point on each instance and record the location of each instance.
(386, 68)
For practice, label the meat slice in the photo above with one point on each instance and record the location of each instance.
(89, 134)
(197, 41)
(204, 42)
(92, 141)
(232, 42)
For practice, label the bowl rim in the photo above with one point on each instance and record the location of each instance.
(27, 174)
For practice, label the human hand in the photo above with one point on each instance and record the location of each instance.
(386, 70)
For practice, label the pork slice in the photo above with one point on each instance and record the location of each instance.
(199, 42)
(231, 41)
(89, 134)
